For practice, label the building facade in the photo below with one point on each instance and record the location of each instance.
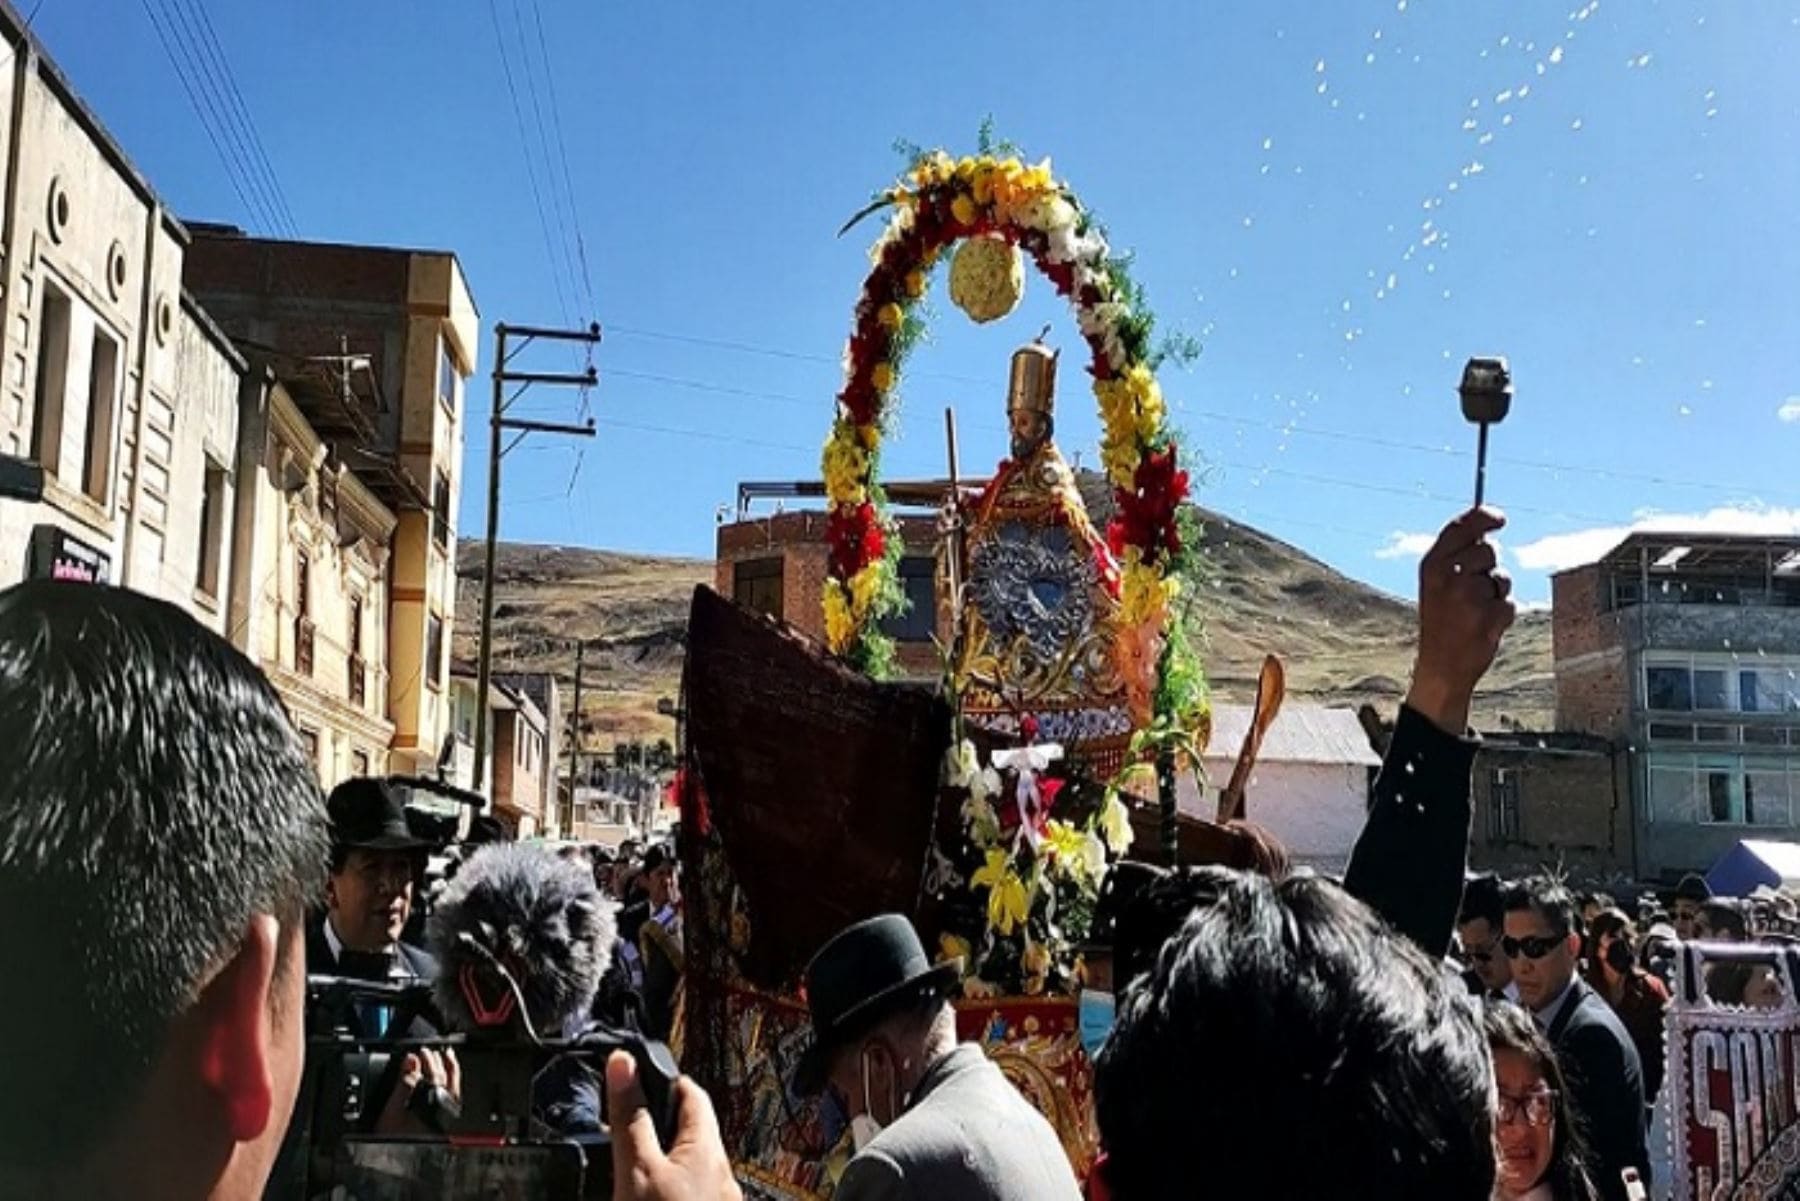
(378, 344)
(309, 581)
(544, 692)
(1685, 649)
(521, 770)
(1556, 803)
(777, 565)
(117, 393)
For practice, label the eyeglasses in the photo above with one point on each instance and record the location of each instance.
(1535, 947)
(1538, 1108)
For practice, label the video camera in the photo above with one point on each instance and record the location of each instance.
(488, 1143)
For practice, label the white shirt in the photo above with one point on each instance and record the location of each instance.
(1546, 1017)
(1511, 991)
(398, 968)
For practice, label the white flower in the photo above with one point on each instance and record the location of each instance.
(1093, 856)
(1115, 824)
(1049, 213)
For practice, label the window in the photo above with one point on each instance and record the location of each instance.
(1710, 691)
(449, 378)
(1769, 792)
(358, 671)
(303, 626)
(756, 585)
(1666, 732)
(918, 621)
(440, 512)
(103, 395)
(1724, 795)
(359, 763)
(212, 530)
(52, 379)
(434, 651)
(1673, 794)
(1668, 688)
(1503, 805)
(310, 740)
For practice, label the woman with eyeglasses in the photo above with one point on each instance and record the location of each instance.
(1541, 1154)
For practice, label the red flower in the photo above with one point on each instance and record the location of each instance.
(854, 536)
(1028, 726)
(1146, 514)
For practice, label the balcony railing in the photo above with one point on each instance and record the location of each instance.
(359, 685)
(303, 645)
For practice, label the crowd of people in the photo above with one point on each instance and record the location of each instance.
(1406, 1033)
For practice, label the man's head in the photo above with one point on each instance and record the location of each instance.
(1030, 429)
(1543, 939)
(1294, 999)
(658, 878)
(376, 863)
(1479, 925)
(1722, 920)
(160, 832)
(1690, 895)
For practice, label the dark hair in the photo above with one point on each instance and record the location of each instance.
(1481, 901)
(1549, 899)
(1291, 997)
(1614, 922)
(1723, 913)
(1693, 888)
(1603, 899)
(153, 798)
(1510, 1028)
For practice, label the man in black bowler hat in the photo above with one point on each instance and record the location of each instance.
(376, 862)
(931, 1119)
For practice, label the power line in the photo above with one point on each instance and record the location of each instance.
(193, 46)
(235, 94)
(562, 149)
(537, 196)
(557, 200)
(772, 353)
(257, 217)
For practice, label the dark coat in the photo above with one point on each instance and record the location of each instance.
(968, 1135)
(321, 962)
(1409, 860)
(1606, 1086)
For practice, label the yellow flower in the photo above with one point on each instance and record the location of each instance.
(863, 587)
(915, 284)
(1115, 820)
(1008, 902)
(965, 169)
(882, 376)
(890, 316)
(983, 185)
(845, 463)
(963, 209)
(868, 435)
(1067, 844)
(840, 627)
(952, 946)
(1144, 593)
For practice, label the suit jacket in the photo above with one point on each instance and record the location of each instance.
(968, 1135)
(321, 962)
(1409, 860)
(1606, 1086)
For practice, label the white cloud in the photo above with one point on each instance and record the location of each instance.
(1402, 545)
(1790, 411)
(1534, 606)
(1559, 552)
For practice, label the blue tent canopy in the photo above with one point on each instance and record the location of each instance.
(1753, 862)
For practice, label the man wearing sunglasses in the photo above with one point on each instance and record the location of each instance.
(1542, 945)
(1479, 925)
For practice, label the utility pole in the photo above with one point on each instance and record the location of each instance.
(575, 736)
(497, 422)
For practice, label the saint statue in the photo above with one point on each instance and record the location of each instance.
(1039, 621)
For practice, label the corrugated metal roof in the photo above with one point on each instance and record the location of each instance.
(1302, 733)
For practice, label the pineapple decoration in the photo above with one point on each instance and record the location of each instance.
(987, 278)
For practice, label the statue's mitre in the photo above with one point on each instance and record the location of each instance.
(1032, 386)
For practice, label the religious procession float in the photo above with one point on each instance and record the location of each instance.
(988, 807)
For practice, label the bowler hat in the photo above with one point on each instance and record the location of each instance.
(369, 814)
(864, 975)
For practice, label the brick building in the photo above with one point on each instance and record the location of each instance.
(1558, 802)
(377, 343)
(1685, 649)
(777, 565)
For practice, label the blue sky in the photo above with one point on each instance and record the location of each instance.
(1341, 201)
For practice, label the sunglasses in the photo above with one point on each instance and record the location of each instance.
(1535, 947)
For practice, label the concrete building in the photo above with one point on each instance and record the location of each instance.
(544, 691)
(521, 772)
(117, 393)
(309, 579)
(1311, 784)
(457, 762)
(1685, 649)
(389, 337)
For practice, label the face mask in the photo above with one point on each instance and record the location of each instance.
(1097, 1011)
(1618, 956)
(864, 1127)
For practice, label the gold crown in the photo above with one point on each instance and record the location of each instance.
(1032, 386)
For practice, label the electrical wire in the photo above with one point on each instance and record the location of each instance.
(209, 41)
